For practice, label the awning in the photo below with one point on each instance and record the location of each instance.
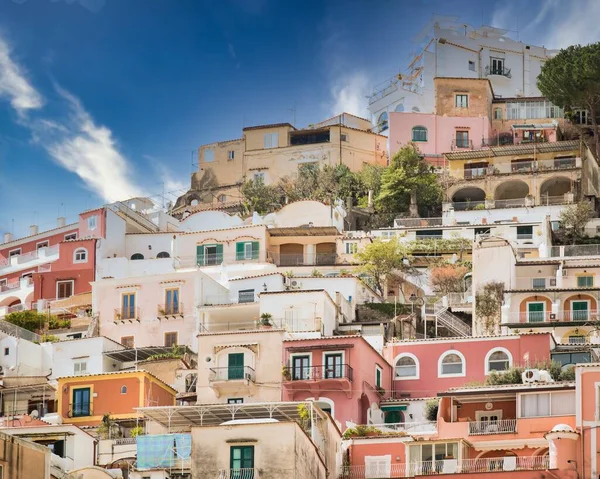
(140, 354)
(76, 301)
(395, 407)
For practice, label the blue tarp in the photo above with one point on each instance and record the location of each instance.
(162, 450)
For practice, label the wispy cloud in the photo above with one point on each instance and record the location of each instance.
(14, 84)
(76, 142)
(171, 184)
(349, 94)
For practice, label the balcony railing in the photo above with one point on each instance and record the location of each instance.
(506, 168)
(129, 314)
(503, 426)
(171, 309)
(224, 299)
(575, 250)
(289, 324)
(417, 222)
(460, 143)
(80, 410)
(417, 427)
(447, 466)
(565, 199)
(232, 373)
(316, 373)
(301, 259)
(502, 71)
(245, 473)
(532, 317)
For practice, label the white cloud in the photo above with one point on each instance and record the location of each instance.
(14, 85)
(349, 95)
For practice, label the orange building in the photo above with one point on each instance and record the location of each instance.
(83, 400)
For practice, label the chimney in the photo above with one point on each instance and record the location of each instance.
(8, 237)
(61, 221)
(33, 230)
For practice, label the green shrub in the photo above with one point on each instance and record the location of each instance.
(567, 374)
(480, 206)
(431, 409)
(33, 321)
(388, 308)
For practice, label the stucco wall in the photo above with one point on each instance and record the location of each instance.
(21, 459)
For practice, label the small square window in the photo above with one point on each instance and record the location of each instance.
(42, 244)
(79, 368)
(170, 339)
(462, 101)
(231, 155)
(271, 140)
(471, 65)
(259, 177)
(351, 248)
(344, 137)
(127, 341)
(91, 222)
(14, 252)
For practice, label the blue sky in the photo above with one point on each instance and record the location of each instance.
(105, 99)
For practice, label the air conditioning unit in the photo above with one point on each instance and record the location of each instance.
(565, 272)
(296, 284)
(552, 316)
(531, 376)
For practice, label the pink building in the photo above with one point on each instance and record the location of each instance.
(343, 374)
(422, 368)
(435, 135)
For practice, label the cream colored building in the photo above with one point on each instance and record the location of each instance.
(274, 151)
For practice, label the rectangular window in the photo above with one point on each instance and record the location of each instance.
(524, 232)
(246, 250)
(79, 368)
(497, 113)
(64, 289)
(471, 65)
(80, 406)
(246, 296)
(71, 236)
(127, 341)
(171, 339)
(172, 301)
(548, 404)
(6, 351)
(209, 155)
(259, 177)
(231, 155)
(128, 310)
(334, 366)
(14, 252)
(497, 66)
(536, 312)
(585, 281)
(580, 310)
(3, 282)
(235, 366)
(344, 137)
(42, 244)
(271, 140)
(538, 283)
(241, 462)
(429, 234)
(462, 139)
(483, 231)
(91, 222)
(209, 254)
(351, 248)
(235, 400)
(462, 101)
(378, 376)
(300, 367)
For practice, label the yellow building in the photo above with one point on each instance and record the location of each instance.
(271, 152)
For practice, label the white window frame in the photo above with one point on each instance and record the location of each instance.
(231, 155)
(248, 254)
(520, 396)
(466, 105)
(222, 198)
(527, 311)
(12, 252)
(80, 362)
(587, 275)
(378, 466)
(489, 355)
(496, 412)
(28, 274)
(351, 247)
(80, 250)
(417, 365)
(455, 375)
(38, 247)
(72, 281)
(379, 369)
(271, 140)
(92, 222)
(589, 304)
(71, 236)
(310, 362)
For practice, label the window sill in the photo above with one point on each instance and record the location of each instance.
(406, 378)
(441, 376)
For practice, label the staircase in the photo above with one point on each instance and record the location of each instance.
(451, 322)
(130, 215)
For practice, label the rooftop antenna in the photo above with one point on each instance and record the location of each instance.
(293, 110)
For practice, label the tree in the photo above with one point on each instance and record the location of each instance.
(33, 321)
(368, 179)
(448, 278)
(409, 175)
(571, 79)
(488, 305)
(573, 219)
(381, 259)
(260, 197)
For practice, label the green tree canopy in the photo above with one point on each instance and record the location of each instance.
(571, 79)
(408, 174)
(260, 197)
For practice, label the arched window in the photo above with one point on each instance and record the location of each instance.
(137, 256)
(80, 255)
(498, 359)
(399, 108)
(123, 389)
(451, 363)
(382, 121)
(406, 366)
(163, 254)
(419, 133)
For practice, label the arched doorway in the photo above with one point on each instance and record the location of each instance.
(553, 190)
(468, 198)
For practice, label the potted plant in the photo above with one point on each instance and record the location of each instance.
(285, 372)
(265, 321)
(136, 431)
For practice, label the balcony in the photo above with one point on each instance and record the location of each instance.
(80, 410)
(575, 250)
(234, 373)
(319, 378)
(498, 71)
(301, 259)
(295, 325)
(417, 222)
(503, 426)
(417, 427)
(528, 202)
(461, 143)
(245, 473)
(541, 317)
(127, 314)
(171, 310)
(447, 466)
(226, 299)
(518, 167)
(28, 260)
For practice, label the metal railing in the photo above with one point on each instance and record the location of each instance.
(121, 441)
(460, 143)
(417, 427)
(301, 259)
(502, 71)
(171, 309)
(565, 199)
(224, 299)
(243, 473)
(417, 222)
(80, 410)
(468, 205)
(510, 463)
(19, 332)
(41, 253)
(531, 166)
(10, 286)
(480, 172)
(502, 426)
(316, 373)
(575, 250)
(134, 215)
(512, 203)
(294, 325)
(232, 373)
(122, 314)
(215, 259)
(549, 316)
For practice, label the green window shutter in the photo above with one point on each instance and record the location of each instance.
(239, 251)
(255, 247)
(219, 253)
(200, 255)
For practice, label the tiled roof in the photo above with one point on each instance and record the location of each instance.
(509, 150)
(257, 276)
(117, 373)
(41, 234)
(271, 125)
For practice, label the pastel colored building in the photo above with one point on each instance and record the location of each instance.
(344, 375)
(83, 400)
(424, 367)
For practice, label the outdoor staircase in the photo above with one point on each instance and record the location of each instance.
(451, 322)
(131, 215)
